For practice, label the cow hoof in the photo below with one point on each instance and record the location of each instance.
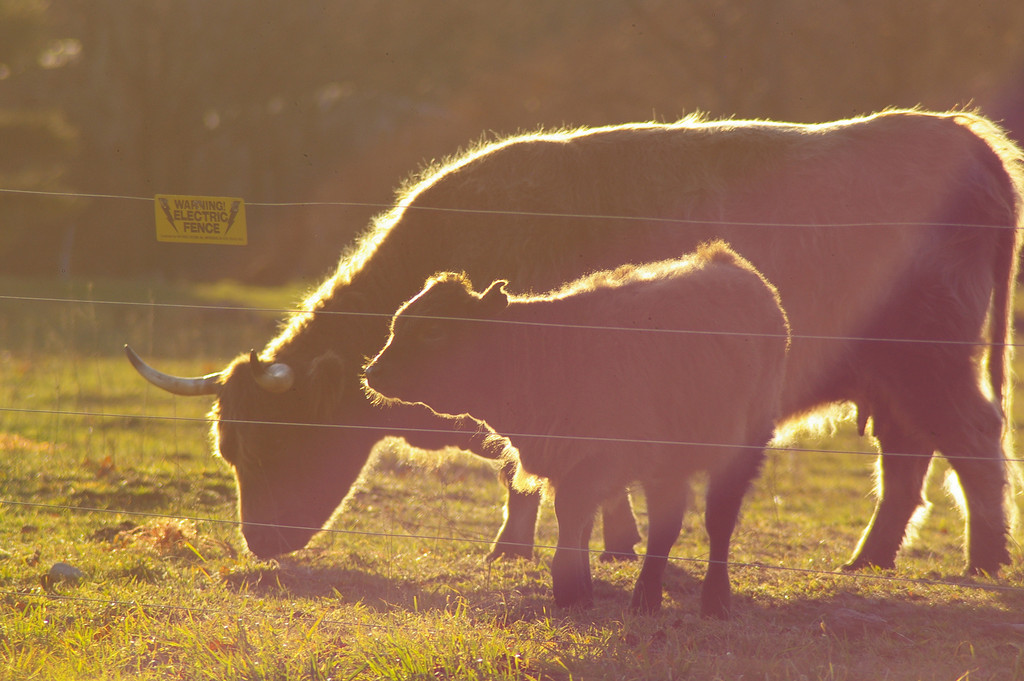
(618, 556)
(989, 565)
(510, 552)
(977, 571)
(861, 563)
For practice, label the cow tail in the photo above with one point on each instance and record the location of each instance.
(1008, 200)
(1000, 355)
(1001, 320)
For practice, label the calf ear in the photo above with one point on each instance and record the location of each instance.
(495, 298)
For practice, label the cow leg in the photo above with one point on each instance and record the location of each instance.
(620, 533)
(666, 504)
(726, 489)
(940, 407)
(903, 466)
(515, 538)
(975, 451)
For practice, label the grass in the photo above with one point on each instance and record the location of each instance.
(114, 478)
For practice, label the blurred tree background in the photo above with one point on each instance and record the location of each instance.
(339, 102)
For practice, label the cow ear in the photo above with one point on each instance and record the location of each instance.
(326, 385)
(495, 298)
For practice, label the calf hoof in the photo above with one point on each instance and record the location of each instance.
(574, 600)
(714, 608)
(572, 593)
(715, 596)
(645, 602)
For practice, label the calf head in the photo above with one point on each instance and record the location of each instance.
(440, 345)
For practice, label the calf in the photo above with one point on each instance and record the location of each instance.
(681, 359)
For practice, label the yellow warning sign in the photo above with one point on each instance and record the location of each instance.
(200, 219)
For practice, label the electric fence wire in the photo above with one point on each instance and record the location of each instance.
(227, 308)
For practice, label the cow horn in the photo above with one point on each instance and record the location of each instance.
(274, 378)
(176, 385)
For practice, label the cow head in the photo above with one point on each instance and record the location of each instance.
(437, 350)
(277, 425)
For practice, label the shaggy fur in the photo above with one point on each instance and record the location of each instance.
(898, 226)
(682, 361)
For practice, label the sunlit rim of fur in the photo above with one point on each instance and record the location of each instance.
(355, 257)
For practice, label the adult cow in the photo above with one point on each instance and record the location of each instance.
(893, 240)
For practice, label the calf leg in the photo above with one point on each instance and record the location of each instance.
(576, 499)
(726, 489)
(666, 504)
(515, 539)
(570, 568)
(902, 469)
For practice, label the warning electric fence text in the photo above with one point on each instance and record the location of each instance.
(200, 219)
